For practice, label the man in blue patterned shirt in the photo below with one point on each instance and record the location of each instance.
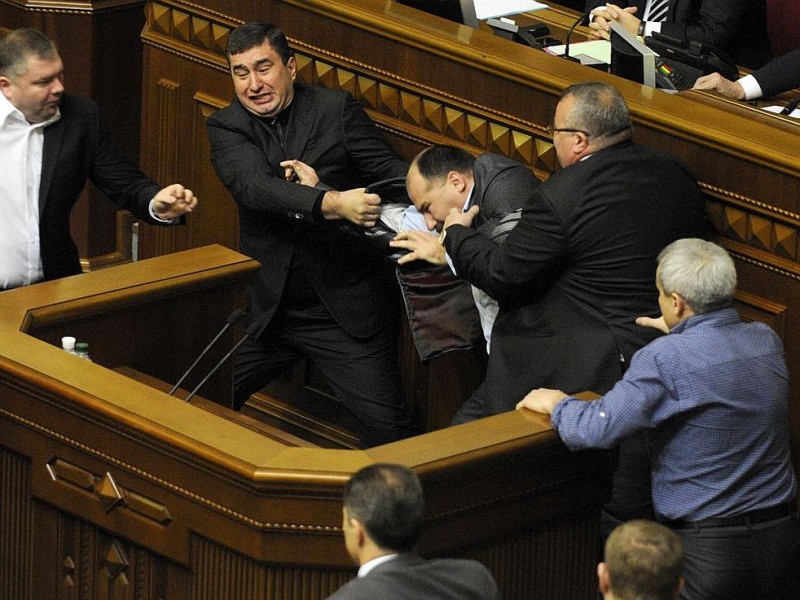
(713, 395)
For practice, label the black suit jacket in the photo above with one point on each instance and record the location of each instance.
(410, 577)
(78, 147)
(329, 130)
(737, 27)
(780, 75)
(577, 269)
(501, 187)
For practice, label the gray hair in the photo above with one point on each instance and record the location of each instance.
(17, 45)
(600, 110)
(701, 272)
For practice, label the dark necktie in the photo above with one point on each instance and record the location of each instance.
(658, 11)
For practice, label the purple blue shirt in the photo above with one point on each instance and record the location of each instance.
(713, 397)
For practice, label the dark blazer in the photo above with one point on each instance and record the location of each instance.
(502, 186)
(780, 75)
(329, 130)
(577, 269)
(78, 147)
(737, 27)
(410, 577)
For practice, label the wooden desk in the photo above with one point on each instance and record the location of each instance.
(113, 489)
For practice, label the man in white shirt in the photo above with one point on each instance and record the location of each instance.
(50, 144)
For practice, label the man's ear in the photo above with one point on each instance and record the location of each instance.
(457, 180)
(679, 305)
(603, 580)
(359, 532)
(5, 83)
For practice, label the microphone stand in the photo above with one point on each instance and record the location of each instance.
(252, 331)
(569, 35)
(232, 319)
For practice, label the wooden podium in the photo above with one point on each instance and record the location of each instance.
(113, 489)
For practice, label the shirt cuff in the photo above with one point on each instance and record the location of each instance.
(751, 87)
(155, 216)
(650, 27)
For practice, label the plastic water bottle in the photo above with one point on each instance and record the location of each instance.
(68, 344)
(82, 351)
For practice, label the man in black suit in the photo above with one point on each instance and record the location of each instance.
(578, 264)
(381, 517)
(776, 77)
(736, 27)
(318, 293)
(444, 178)
(50, 144)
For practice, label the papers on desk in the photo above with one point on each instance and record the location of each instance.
(778, 109)
(490, 9)
(597, 49)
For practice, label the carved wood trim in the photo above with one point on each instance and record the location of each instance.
(426, 115)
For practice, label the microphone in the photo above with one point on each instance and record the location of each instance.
(791, 106)
(252, 331)
(569, 34)
(232, 319)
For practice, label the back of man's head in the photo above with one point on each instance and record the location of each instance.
(436, 162)
(255, 33)
(17, 45)
(701, 272)
(388, 500)
(643, 561)
(600, 110)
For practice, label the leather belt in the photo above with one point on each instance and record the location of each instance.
(749, 518)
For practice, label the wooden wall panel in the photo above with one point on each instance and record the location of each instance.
(16, 526)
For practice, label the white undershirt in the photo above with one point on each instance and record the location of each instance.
(21, 145)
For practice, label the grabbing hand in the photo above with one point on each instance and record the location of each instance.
(456, 217)
(421, 246)
(354, 205)
(296, 170)
(658, 323)
(173, 201)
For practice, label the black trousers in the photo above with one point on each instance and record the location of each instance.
(361, 372)
(760, 561)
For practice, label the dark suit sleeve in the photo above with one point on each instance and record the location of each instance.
(115, 175)
(715, 23)
(526, 263)
(780, 75)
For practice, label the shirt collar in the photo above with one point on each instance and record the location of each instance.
(371, 564)
(8, 110)
(721, 316)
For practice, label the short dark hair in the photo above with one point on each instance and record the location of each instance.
(644, 561)
(436, 162)
(599, 110)
(17, 45)
(255, 33)
(388, 500)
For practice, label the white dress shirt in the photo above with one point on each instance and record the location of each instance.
(21, 145)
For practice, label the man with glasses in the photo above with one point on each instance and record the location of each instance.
(578, 264)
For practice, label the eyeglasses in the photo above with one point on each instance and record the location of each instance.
(551, 130)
